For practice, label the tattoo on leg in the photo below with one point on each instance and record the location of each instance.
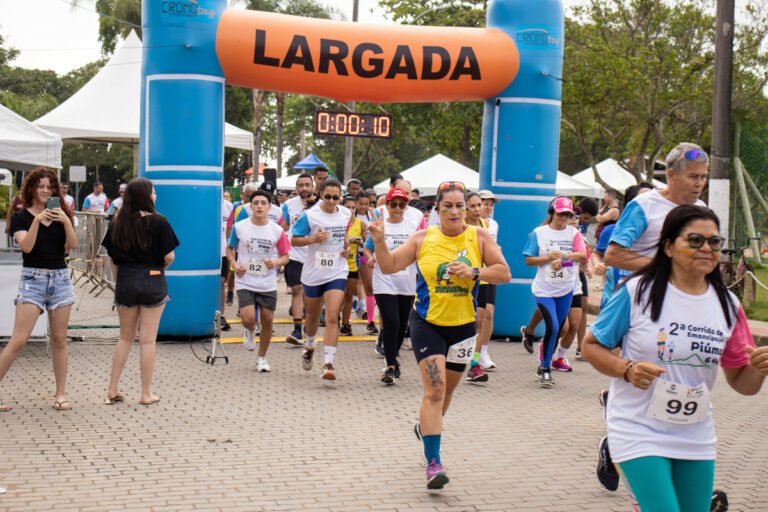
(433, 372)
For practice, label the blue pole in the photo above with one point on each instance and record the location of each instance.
(182, 151)
(521, 134)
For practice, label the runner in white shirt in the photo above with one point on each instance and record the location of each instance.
(676, 323)
(555, 249)
(262, 246)
(226, 210)
(97, 202)
(394, 292)
(323, 231)
(294, 208)
(489, 300)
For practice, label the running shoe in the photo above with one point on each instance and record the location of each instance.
(249, 341)
(486, 363)
(360, 311)
(603, 398)
(307, 358)
(371, 328)
(476, 374)
(262, 365)
(436, 477)
(579, 357)
(379, 348)
(230, 298)
(257, 329)
(294, 338)
(345, 330)
(527, 339)
(225, 326)
(545, 377)
(561, 364)
(328, 372)
(397, 371)
(388, 377)
(364, 316)
(407, 345)
(719, 501)
(606, 472)
(417, 431)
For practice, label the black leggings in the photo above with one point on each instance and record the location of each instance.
(393, 310)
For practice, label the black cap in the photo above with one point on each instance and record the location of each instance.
(268, 186)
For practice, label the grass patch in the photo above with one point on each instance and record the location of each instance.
(759, 309)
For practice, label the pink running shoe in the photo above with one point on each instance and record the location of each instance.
(436, 477)
(561, 364)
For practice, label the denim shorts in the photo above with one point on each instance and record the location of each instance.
(46, 289)
(140, 286)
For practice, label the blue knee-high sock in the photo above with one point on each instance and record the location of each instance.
(432, 448)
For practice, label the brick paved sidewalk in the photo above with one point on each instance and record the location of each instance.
(227, 438)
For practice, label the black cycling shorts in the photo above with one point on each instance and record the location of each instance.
(486, 294)
(293, 273)
(428, 339)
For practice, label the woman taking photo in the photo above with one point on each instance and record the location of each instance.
(140, 242)
(43, 229)
(394, 293)
(676, 323)
(450, 259)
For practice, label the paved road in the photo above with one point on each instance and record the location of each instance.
(227, 438)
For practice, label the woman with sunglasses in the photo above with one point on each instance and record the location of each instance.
(394, 293)
(556, 249)
(451, 259)
(43, 229)
(323, 231)
(675, 323)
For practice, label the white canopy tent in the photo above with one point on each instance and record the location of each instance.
(612, 174)
(427, 175)
(24, 146)
(570, 186)
(107, 108)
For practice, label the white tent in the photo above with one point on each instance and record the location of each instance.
(570, 186)
(613, 174)
(427, 175)
(107, 108)
(24, 146)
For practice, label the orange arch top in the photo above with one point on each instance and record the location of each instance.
(363, 62)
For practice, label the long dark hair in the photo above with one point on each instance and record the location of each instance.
(656, 275)
(29, 188)
(128, 228)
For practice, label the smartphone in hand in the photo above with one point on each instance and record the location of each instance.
(53, 202)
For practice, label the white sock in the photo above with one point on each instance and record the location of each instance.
(310, 342)
(561, 352)
(484, 350)
(329, 353)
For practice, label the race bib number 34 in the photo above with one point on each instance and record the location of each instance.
(677, 403)
(558, 276)
(326, 260)
(461, 352)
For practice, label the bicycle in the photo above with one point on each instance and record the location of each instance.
(735, 278)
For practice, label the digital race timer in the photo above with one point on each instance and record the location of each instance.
(352, 124)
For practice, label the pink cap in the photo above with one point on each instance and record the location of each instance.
(563, 204)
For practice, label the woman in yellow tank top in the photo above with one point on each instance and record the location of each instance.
(449, 258)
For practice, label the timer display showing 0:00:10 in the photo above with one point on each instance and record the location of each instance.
(353, 125)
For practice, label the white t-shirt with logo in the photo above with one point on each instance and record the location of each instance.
(542, 241)
(403, 282)
(690, 340)
(293, 208)
(254, 244)
(95, 203)
(226, 210)
(324, 262)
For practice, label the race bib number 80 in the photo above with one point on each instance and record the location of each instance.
(327, 260)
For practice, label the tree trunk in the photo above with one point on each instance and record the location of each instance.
(258, 101)
(466, 150)
(280, 97)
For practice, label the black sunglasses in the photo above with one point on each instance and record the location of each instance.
(398, 205)
(329, 197)
(696, 241)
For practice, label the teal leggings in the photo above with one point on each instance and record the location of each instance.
(670, 485)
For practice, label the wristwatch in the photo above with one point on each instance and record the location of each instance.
(475, 273)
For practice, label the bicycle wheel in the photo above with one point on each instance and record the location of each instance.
(729, 275)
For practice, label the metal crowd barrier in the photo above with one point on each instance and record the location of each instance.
(89, 262)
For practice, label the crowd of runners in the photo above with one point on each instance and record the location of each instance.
(666, 325)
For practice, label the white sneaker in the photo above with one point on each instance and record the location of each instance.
(486, 363)
(407, 344)
(262, 365)
(257, 329)
(249, 341)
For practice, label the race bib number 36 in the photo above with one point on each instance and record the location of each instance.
(327, 260)
(677, 403)
(461, 352)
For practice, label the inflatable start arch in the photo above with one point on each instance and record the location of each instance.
(193, 47)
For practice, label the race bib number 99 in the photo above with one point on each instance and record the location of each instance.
(461, 352)
(677, 403)
(326, 260)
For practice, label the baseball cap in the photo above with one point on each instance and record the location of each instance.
(397, 193)
(563, 204)
(268, 186)
(487, 194)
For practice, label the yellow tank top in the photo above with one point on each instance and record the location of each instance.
(442, 299)
(355, 231)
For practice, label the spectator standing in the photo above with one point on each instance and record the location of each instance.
(97, 201)
(67, 198)
(117, 203)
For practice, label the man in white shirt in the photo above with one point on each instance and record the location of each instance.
(67, 198)
(96, 202)
(117, 203)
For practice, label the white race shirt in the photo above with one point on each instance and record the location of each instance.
(254, 244)
(403, 282)
(690, 340)
(493, 229)
(95, 203)
(293, 208)
(226, 210)
(543, 240)
(317, 268)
